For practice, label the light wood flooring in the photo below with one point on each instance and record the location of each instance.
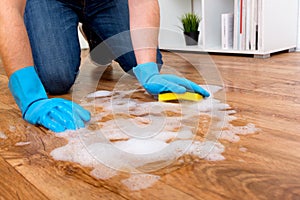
(265, 92)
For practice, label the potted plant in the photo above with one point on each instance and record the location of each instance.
(190, 23)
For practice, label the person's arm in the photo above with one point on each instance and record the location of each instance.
(24, 83)
(15, 49)
(144, 29)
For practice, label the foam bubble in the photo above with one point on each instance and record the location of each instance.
(22, 143)
(138, 146)
(243, 149)
(74, 151)
(12, 128)
(231, 133)
(2, 135)
(207, 150)
(140, 181)
(103, 172)
(131, 135)
(99, 93)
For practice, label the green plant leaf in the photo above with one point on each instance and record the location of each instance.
(190, 22)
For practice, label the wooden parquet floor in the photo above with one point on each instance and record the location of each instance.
(265, 92)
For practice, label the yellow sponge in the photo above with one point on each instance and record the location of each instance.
(190, 96)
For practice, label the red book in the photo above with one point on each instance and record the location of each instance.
(241, 17)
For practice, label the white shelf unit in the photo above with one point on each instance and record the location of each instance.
(277, 26)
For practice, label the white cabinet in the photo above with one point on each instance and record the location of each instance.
(170, 12)
(277, 29)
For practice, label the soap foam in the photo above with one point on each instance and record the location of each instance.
(22, 143)
(102, 172)
(243, 149)
(2, 135)
(12, 128)
(138, 146)
(140, 181)
(138, 137)
(100, 93)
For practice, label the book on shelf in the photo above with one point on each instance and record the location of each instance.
(236, 24)
(246, 24)
(243, 25)
(252, 15)
(259, 25)
(227, 30)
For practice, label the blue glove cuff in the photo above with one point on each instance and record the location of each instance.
(144, 72)
(26, 88)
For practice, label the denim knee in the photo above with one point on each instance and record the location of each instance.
(59, 81)
(52, 31)
(59, 87)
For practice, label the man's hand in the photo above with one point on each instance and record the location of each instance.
(156, 83)
(55, 114)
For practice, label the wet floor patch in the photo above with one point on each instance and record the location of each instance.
(140, 138)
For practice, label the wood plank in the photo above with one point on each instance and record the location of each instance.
(61, 180)
(33, 160)
(14, 186)
(271, 161)
(263, 92)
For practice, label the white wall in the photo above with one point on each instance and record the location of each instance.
(174, 16)
(171, 11)
(298, 43)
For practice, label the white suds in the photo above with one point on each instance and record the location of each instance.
(12, 128)
(137, 146)
(22, 143)
(208, 150)
(243, 149)
(100, 93)
(102, 172)
(232, 132)
(2, 135)
(148, 136)
(140, 181)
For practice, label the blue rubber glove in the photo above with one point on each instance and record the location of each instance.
(55, 114)
(156, 83)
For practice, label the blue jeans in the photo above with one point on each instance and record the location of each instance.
(52, 30)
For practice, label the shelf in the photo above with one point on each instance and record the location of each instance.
(183, 48)
(277, 29)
